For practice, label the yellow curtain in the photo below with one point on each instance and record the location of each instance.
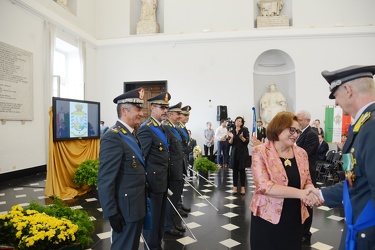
(63, 160)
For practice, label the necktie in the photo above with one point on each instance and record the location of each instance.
(136, 138)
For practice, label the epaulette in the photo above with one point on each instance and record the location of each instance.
(180, 125)
(123, 130)
(115, 130)
(152, 122)
(364, 117)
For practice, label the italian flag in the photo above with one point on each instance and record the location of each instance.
(336, 124)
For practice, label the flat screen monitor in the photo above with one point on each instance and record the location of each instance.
(75, 119)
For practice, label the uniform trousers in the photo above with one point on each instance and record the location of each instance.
(129, 238)
(176, 186)
(153, 237)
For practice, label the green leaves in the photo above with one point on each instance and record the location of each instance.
(87, 173)
(204, 164)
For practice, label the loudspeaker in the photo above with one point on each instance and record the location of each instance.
(221, 113)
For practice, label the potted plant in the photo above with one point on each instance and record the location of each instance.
(39, 227)
(87, 174)
(203, 165)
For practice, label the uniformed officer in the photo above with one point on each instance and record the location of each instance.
(184, 118)
(176, 165)
(121, 177)
(354, 91)
(155, 149)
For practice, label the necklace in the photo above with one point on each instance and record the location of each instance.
(287, 162)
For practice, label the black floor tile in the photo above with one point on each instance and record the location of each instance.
(210, 234)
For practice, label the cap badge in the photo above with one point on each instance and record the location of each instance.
(141, 93)
(334, 84)
(166, 97)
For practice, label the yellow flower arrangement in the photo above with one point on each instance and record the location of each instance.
(30, 229)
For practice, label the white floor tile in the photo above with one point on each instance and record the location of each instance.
(230, 215)
(321, 246)
(201, 204)
(104, 235)
(192, 225)
(196, 213)
(231, 205)
(336, 218)
(229, 243)
(186, 240)
(325, 208)
(230, 227)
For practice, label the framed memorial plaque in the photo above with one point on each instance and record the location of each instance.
(16, 83)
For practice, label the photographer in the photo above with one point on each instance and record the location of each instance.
(239, 156)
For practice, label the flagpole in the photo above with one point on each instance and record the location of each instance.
(254, 122)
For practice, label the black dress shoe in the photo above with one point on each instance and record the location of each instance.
(182, 213)
(174, 232)
(186, 209)
(180, 228)
(306, 241)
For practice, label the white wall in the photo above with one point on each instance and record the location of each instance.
(199, 66)
(23, 146)
(221, 70)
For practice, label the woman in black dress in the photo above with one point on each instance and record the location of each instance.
(239, 156)
(283, 186)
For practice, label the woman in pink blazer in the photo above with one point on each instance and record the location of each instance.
(283, 186)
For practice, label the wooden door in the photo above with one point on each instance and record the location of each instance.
(152, 88)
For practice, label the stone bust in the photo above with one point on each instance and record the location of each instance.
(270, 7)
(271, 103)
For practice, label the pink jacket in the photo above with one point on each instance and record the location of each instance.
(268, 170)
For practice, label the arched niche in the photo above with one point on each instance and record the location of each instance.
(274, 66)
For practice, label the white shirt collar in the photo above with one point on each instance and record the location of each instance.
(127, 126)
(360, 111)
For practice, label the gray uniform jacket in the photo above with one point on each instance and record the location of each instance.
(176, 155)
(156, 155)
(121, 177)
(361, 144)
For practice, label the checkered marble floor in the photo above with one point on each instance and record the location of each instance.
(218, 219)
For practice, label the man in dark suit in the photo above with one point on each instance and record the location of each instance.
(354, 91)
(261, 131)
(155, 149)
(122, 177)
(322, 149)
(309, 141)
(176, 165)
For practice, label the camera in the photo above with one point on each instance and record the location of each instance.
(230, 124)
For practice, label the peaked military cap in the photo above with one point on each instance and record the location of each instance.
(162, 99)
(186, 110)
(134, 97)
(175, 108)
(338, 77)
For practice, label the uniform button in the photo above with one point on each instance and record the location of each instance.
(363, 235)
(126, 194)
(154, 172)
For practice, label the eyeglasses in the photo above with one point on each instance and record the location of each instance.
(161, 107)
(292, 131)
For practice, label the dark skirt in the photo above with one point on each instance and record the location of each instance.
(287, 234)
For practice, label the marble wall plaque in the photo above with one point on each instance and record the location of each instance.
(16, 83)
